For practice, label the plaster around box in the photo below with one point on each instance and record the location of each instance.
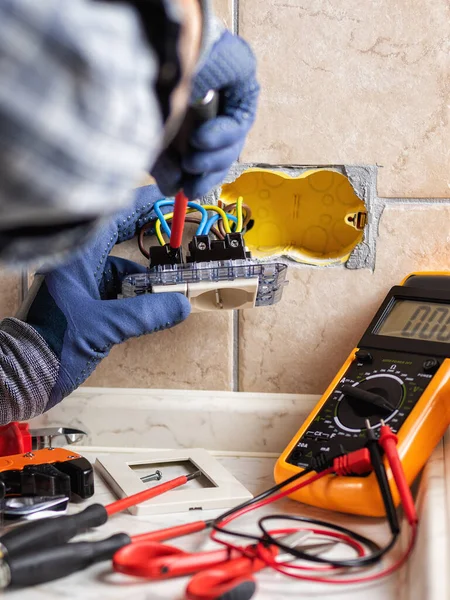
(220, 490)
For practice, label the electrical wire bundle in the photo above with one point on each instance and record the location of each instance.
(230, 218)
(367, 552)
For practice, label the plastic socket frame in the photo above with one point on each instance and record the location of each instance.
(270, 278)
(223, 490)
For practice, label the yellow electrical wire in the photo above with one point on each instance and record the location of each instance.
(222, 213)
(217, 209)
(239, 202)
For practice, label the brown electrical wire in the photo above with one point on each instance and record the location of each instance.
(151, 224)
(228, 208)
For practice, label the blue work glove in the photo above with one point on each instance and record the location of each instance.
(72, 318)
(229, 69)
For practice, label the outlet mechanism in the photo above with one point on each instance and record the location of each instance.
(206, 296)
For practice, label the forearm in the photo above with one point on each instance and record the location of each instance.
(28, 372)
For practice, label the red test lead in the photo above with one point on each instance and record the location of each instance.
(388, 441)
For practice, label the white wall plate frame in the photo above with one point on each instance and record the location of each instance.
(225, 490)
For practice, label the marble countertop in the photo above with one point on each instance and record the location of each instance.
(423, 578)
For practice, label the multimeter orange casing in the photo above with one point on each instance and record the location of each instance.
(418, 435)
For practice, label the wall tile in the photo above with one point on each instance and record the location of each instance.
(224, 11)
(196, 354)
(10, 293)
(352, 83)
(298, 345)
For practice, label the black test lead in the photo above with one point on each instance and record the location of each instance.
(380, 473)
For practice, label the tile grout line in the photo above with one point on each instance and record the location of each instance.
(235, 351)
(235, 16)
(235, 333)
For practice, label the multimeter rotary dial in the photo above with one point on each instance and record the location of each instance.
(378, 396)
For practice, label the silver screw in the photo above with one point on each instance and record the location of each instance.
(201, 246)
(234, 243)
(28, 455)
(156, 476)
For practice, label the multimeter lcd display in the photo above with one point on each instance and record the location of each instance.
(417, 320)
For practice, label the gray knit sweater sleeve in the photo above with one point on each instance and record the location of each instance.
(28, 371)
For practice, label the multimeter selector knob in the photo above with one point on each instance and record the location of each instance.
(363, 356)
(375, 398)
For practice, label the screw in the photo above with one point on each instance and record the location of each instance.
(201, 246)
(234, 243)
(29, 455)
(156, 476)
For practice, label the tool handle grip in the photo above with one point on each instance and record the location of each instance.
(228, 581)
(40, 566)
(52, 531)
(198, 112)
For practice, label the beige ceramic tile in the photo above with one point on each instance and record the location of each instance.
(298, 345)
(10, 293)
(224, 11)
(354, 82)
(196, 354)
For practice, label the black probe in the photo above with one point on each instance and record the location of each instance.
(383, 484)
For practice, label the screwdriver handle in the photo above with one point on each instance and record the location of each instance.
(40, 566)
(200, 111)
(52, 531)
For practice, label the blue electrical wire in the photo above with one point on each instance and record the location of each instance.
(157, 208)
(207, 228)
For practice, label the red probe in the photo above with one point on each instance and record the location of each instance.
(388, 441)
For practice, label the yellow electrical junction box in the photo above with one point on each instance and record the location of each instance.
(403, 362)
(314, 218)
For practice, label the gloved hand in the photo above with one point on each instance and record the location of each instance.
(71, 319)
(229, 69)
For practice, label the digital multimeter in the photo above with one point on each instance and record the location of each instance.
(399, 373)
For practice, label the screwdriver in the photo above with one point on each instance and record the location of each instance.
(199, 112)
(54, 531)
(40, 566)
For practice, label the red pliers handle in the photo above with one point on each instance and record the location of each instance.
(232, 579)
(153, 560)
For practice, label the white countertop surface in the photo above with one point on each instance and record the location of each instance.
(247, 431)
(255, 473)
